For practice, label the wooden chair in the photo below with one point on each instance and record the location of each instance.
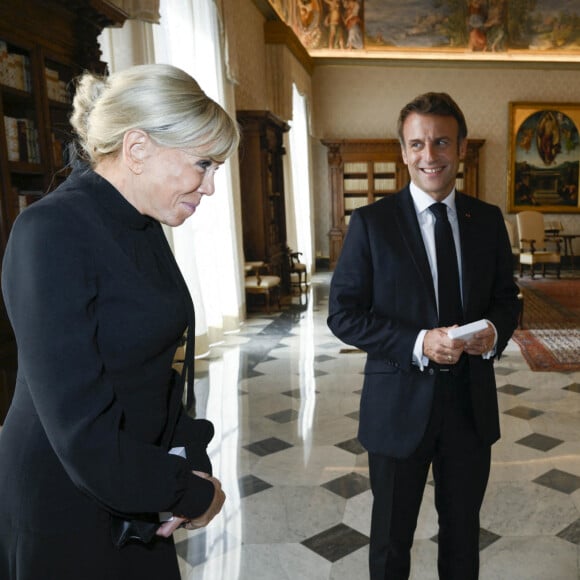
(534, 243)
(262, 284)
(297, 269)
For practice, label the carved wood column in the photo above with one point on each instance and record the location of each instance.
(338, 229)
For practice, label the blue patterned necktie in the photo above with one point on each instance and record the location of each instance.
(450, 310)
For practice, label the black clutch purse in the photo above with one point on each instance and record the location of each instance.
(141, 530)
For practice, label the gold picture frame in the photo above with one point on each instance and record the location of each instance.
(544, 157)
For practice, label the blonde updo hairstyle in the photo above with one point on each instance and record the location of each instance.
(161, 100)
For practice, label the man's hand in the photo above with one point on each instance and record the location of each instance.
(481, 342)
(439, 348)
(219, 497)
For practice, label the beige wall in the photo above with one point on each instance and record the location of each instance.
(247, 54)
(363, 101)
(263, 74)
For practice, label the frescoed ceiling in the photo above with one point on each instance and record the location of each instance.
(435, 29)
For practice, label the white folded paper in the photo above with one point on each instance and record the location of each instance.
(466, 331)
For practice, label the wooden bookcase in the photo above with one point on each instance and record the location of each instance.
(33, 123)
(262, 190)
(43, 45)
(362, 171)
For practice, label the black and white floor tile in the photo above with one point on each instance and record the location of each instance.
(283, 395)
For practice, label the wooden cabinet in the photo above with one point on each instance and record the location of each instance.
(43, 45)
(362, 171)
(262, 190)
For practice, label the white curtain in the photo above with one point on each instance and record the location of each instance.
(299, 218)
(206, 246)
(124, 47)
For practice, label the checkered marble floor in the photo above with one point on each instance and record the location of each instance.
(283, 395)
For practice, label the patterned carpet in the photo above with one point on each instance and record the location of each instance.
(550, 339)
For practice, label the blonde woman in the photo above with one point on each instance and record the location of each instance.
(99, 307)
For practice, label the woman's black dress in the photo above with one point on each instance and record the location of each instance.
(98, 307)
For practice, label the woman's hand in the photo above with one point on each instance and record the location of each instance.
(167, 528)
(219, 497)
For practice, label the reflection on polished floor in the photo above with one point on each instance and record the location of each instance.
(283, 395)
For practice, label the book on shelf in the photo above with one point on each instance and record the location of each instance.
(351, 203)
(32, 143)
(15, 70)
(27, 197)
(385, 167)
(55, 87)
(22, 140)
(11, 126)
(3, 60)
(353, 185)
(57, 151)
(22, 132)
(385, 184)
(355, 167)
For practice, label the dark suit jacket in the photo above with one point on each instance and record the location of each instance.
(382, 295)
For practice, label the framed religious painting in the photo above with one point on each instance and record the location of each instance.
(544, 157)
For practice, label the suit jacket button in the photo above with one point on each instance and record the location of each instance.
(431, 371)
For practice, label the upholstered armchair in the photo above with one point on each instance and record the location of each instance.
(535, 246)
(259, 281)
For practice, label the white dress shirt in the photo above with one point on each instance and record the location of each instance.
(422, 201)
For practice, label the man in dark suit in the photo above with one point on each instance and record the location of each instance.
(428, 400)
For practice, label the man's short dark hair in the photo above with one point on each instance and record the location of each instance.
(433, 104)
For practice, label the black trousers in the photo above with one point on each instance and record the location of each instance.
(461, 464)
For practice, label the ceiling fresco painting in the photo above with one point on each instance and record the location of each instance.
(536, 29)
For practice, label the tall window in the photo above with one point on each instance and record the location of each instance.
(299, 193)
